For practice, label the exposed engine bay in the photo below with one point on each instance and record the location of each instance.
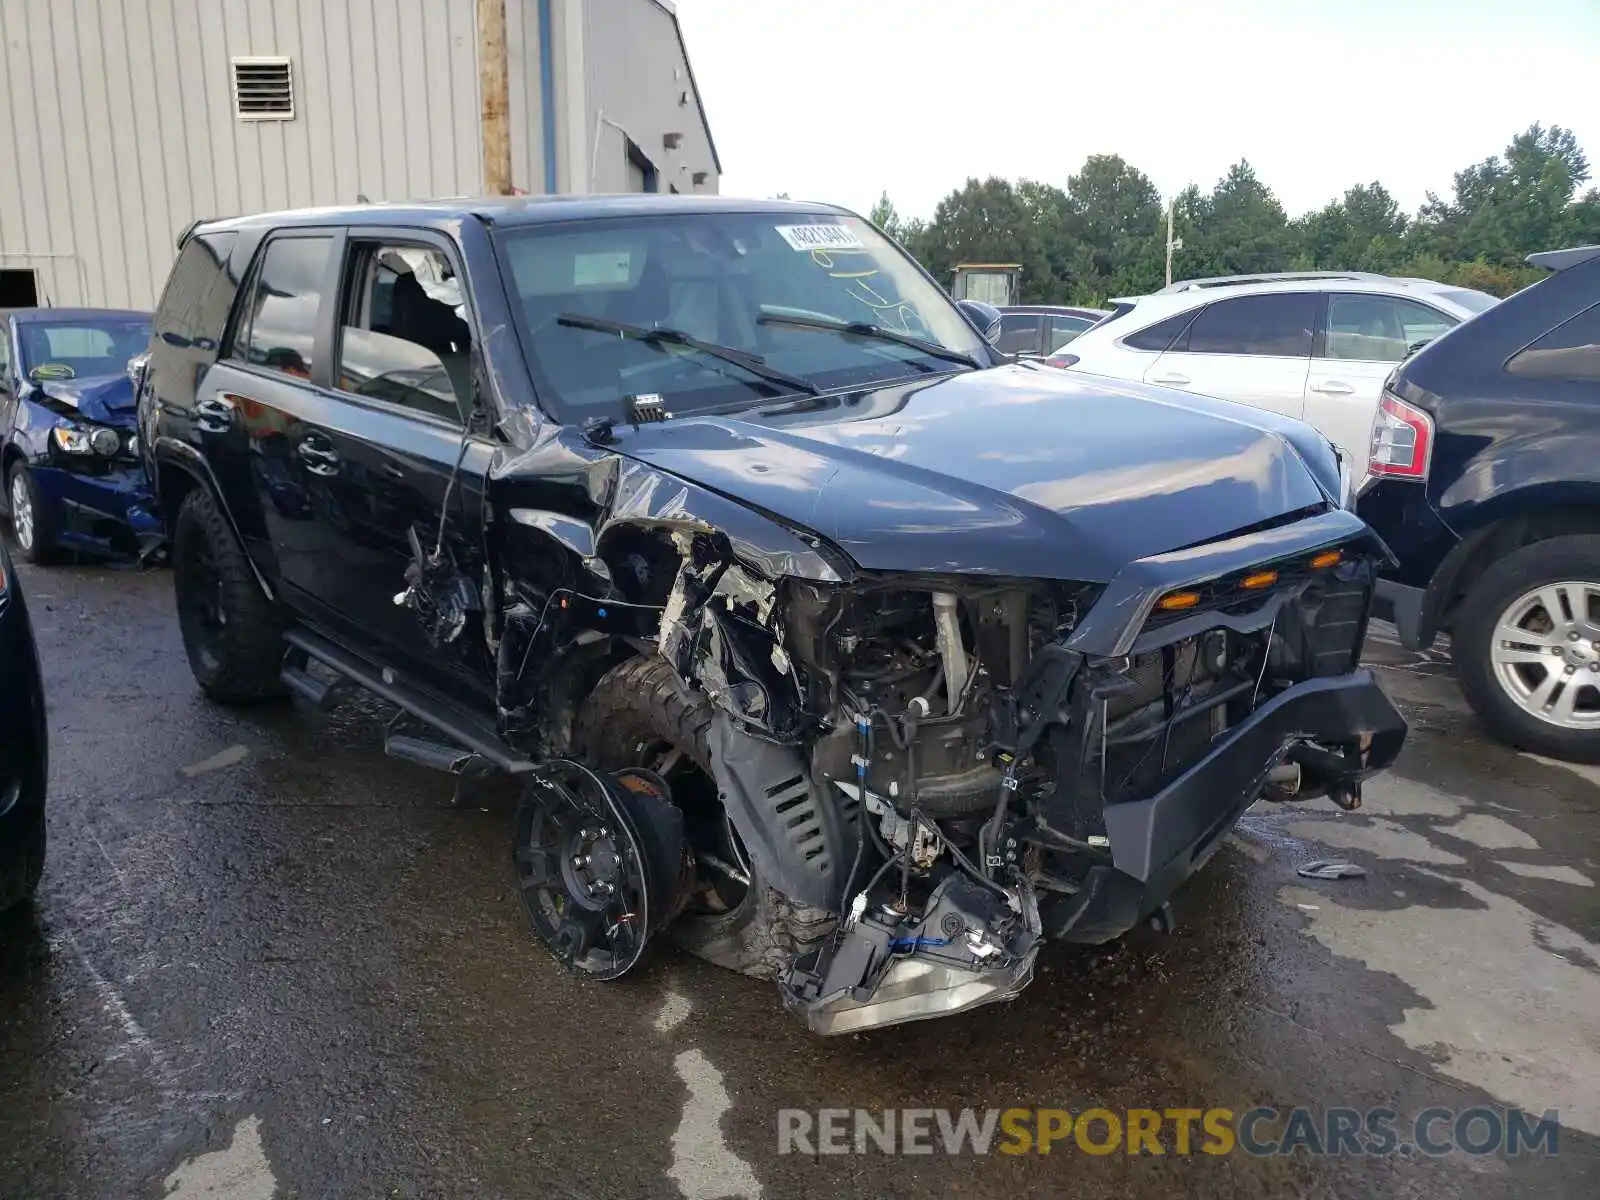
(933, 762)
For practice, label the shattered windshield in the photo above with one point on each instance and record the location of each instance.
(785, 288)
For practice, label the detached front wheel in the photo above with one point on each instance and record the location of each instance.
(641, 715)
(1526, 643)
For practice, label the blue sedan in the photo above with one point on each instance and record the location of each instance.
(68, 442)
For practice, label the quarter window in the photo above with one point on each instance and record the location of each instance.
(1160, 336)
(1379, 328)
(1570, 351)
(280, 328)
(405, 337)
(1274, 325)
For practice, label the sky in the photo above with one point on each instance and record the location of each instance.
(839, 101)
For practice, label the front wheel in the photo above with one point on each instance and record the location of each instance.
(231, 632)
(33, 521)
(641, 715)
(1526, 643)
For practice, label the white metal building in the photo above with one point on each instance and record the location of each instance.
(121, 121)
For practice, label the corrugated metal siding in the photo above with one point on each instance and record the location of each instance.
(129, 104)
(638, 75)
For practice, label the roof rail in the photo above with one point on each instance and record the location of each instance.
(1563, 260)
(187, 231)
(1186, 285)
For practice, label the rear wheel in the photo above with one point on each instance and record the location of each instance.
(641, 715)
(231, 632)
(1526, 644)
(33, 522)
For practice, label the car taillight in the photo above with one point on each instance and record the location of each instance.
(1062, 360)
(1402, 439)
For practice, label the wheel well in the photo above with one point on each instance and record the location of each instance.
(173, 485)
(1486, 546)
(11, 455)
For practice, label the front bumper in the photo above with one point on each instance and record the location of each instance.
(1158, 842)
(102, 514)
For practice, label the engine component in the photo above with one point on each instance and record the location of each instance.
(968, 948)
(599, 859)
(946, 616)
(924, 841)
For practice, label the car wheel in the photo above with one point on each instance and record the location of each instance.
(1526, 643)
(33, 523)
(232, 633)
(641, 715)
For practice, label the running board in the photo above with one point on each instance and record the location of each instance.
(457, 725)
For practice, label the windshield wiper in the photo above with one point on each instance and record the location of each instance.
(866, 329)
(666, 338)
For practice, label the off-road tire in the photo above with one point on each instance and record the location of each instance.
(1473, 633)
(241, 663)
(642, 701)
(33, 856)
(43, 551)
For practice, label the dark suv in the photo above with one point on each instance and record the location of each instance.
(1486, 483)
(859, 657)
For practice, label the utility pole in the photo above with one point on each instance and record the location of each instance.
(1171, 204)
(494, 81)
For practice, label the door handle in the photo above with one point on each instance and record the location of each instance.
(1170, 377)
(1333, 387)
(214, 414)
(318, 456)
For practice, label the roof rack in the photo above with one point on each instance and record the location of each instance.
(1563, 260)
(1187, 285)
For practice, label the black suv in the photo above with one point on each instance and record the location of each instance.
(1486, 483)
(859, 657)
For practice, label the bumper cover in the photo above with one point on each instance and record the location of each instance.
(1157, 843)
(1404, 605)
(85, 502)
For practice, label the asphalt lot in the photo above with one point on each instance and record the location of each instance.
(269, 961)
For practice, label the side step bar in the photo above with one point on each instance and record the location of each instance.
(455, 724)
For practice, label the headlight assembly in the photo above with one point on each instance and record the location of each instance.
(72, 439)
(94, 440)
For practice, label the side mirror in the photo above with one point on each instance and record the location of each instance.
(985, 318)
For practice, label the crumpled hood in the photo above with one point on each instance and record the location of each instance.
(105, 399)
(1015, 471)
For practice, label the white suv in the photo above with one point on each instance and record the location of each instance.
(1316, 345)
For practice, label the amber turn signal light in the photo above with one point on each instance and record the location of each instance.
(1173, 601)
(1260, 579)
(1326, 559)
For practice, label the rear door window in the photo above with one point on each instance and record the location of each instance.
(1063, 329)
(1276, 325)
(279, 327)
(1019, 333)
(1570, 351)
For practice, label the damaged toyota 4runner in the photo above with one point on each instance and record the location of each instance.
(826, 640)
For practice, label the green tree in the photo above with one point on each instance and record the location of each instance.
(1117, 229)
(987, 221)
(1239, 228)
(1504, 208)
(1364, 231)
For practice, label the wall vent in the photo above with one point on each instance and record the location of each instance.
(263, 89)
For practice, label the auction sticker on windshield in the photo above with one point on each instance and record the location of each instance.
(819, 237)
